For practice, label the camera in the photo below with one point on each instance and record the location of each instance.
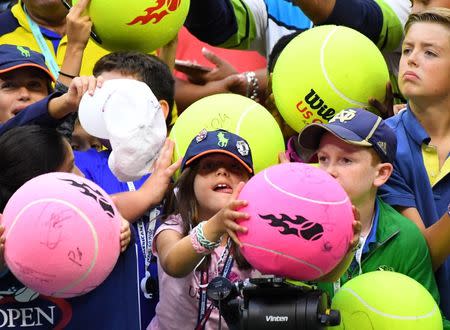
(271, 303)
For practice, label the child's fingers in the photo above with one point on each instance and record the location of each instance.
(231, 225)
(238, 190)
(234, 215)
(238, 203)
(80, 6)
(234, 238)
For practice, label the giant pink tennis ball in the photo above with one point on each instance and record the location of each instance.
(62, 234)
(300, 223)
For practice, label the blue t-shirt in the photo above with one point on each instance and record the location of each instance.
(113, 305)
(94, 165)
(409, 186)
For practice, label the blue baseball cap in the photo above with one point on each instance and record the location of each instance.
(219, 141)
(355, 126)
(14, 57)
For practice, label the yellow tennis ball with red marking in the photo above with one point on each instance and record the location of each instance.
(325, 70)
(137, 24)
(236, 114)
(382, 300)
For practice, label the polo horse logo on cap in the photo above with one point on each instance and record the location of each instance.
(158, 12)
(24, 52)
(344, 116)
(223, 141)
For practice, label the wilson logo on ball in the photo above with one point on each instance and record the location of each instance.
(308, 230)
(158, 12)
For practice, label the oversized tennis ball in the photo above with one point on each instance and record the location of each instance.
(300, 223)
(384, 300)
(325, 70)
(62, 234)
(236, 114)
(143, 25)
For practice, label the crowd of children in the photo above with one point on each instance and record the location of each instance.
(181, 233)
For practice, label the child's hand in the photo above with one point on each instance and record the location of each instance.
(78, 87)
(78, 26)
(356, 230)
(229, 215)
(386, 108)
(125, 235)
(2, 245)
(59, 107)
(163, 170)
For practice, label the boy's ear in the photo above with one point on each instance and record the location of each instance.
(384, 172)
(164, 107)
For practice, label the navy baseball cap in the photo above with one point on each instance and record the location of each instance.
(14, 57)
(355, 126)
(219, 141)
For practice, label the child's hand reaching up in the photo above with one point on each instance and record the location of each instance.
(133, 204)
(125, 235)
(229, 214)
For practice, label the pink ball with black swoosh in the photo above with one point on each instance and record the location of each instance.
(62, 234)
(300, 224)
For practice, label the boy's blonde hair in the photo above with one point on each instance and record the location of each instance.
(435, 15)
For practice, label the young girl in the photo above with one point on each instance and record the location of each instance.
(192, 244)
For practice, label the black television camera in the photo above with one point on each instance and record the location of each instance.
(271, 303)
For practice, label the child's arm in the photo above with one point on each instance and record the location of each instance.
(78, 30)
(133, 204)
(437, 235)
(177, 254)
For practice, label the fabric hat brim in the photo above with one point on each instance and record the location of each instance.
(309, 138)
(220, 151)
(28, 65)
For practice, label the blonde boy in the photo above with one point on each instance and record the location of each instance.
(419, 187)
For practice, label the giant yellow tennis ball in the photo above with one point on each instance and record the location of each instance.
(236, 114)
(325, 70)
(143, 25)
(384, 300)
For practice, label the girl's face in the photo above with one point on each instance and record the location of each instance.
(217, 177)
(425, 62)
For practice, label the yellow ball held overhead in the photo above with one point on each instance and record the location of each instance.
(325, 70)
(384, 300)
(141, 25)
(237, 114)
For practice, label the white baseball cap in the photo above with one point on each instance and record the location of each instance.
(127, 113)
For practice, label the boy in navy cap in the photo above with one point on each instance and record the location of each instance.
(358, 149)
(26, 93)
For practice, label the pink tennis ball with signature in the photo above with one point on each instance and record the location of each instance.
(300, 223)
(62, 234)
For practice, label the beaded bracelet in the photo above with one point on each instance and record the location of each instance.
(196, 244)
(252, 85)
(206, 243)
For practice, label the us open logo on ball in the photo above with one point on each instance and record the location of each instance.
(300, 223)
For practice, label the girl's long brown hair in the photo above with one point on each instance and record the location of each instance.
(181, 200)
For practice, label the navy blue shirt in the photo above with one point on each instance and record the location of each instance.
(114, 304)
(409, 186)
(94, 165)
